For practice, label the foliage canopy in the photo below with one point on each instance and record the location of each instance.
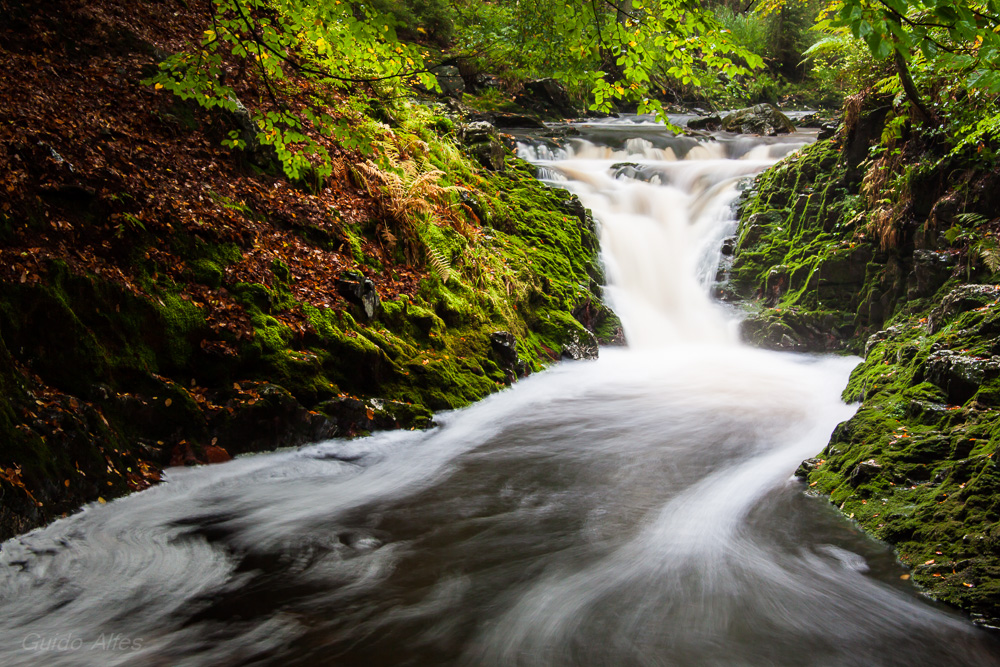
(310, 57)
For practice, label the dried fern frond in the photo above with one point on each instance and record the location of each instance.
(989, 252)
(387, 238)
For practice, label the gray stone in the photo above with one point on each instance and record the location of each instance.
(960, 300)
(361, 292)
(547, 97)
(582, 345)
(503, 345)
(764, 119)
(710, 123)
(450, 80)
(865, 471)
(483, 143)
(960, 375)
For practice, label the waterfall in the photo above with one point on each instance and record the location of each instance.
(662, 220)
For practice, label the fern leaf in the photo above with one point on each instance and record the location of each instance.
(439, 263)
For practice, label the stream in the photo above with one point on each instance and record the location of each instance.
(635, 510)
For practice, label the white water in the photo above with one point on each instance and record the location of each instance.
(637, 510)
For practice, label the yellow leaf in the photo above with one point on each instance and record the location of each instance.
(158, 86)
(101, 500)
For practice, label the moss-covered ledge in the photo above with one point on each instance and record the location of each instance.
(916, 466)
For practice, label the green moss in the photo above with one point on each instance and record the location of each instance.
(915, 465)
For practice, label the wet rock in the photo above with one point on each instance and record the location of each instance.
(845, 269)
(960, 375)
(883, 335)
(261, 155)
(711, 123)
(864, 471)
(728, 246)
(508, 121)
(483, 143)
(483, 81)
(797, 330)
(865, 131)
(776, 283)
(349, 416)
(476, 132)
(561, 132)
(763, 119)
(627, 170)
(582, 345)
(273, 418)
(503, 346)
(931, 270)
(575, 207)
(361, 292)
(754, 230)
(960, 300)
(827, 130)
(807, 467)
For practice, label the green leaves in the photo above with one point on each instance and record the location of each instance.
(331, 44)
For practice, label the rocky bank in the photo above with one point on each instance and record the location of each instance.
(842, 248)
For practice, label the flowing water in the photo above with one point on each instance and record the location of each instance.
(636, 510)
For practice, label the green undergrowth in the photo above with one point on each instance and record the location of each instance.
(916, 466)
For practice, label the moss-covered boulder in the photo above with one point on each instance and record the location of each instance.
(763, 119)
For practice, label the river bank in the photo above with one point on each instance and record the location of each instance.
(883, 257)
(169, 301)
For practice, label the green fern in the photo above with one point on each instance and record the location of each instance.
(439, 264)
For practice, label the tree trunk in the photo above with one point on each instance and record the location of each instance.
(912, 94)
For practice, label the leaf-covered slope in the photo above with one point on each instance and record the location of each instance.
(165, 300)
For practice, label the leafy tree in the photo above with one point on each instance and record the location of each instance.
(961, 36)
(619, 50)
(310, 60)
(301, 54)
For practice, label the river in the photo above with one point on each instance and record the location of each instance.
(635, 510)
